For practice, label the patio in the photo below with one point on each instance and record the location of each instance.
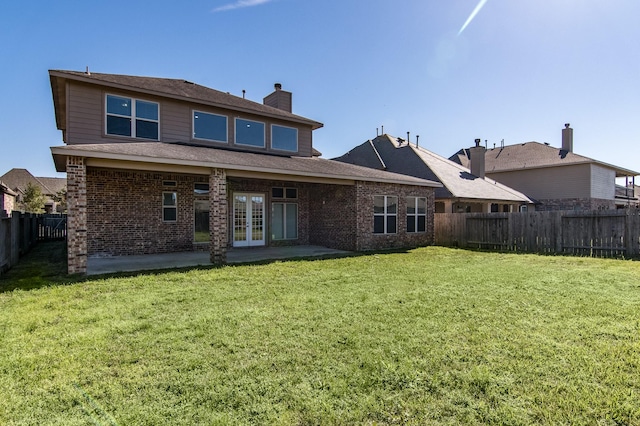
(109, 265)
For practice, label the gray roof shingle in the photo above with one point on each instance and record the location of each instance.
(531, 155)
(416, 161)
(188, 155)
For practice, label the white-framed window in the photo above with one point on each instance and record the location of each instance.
(201, 213)
(249, 132)
(135, 118)
(169, 206)
(210, 127)
(284, 221)
(416, 214)
(284, 138)
(282, 192)
(385, 214)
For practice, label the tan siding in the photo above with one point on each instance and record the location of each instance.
(603, 182)
(549, 183)
(84, 115)
(86, 120)
(175, 122)
(305, 142)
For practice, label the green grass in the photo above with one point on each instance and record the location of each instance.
(431, 336)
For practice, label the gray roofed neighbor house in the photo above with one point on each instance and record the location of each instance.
(172, 88)
(18, 179)
(159, 153)
(406, 158)
(532, 155)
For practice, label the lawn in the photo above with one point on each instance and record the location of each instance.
(430, 336)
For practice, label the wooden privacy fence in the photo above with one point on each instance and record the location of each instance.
(602, 233)
(52, 227)
(19, 232)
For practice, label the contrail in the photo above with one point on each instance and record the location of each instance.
(473, 15)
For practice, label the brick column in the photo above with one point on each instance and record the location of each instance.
(77, 215)
(218, 220)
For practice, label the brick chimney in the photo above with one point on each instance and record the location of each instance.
(567, 138)
(279, 99)
(476, 159)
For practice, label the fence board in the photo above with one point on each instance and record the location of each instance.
(607, 233)
(19, 232)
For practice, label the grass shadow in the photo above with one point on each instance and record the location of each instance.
(43, 266)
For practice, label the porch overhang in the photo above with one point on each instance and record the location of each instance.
(158, 156)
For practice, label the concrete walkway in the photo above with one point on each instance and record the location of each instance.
(113, 264)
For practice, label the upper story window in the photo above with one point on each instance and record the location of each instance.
(211, 127)
(132, 117)
(249, 132)
(284, 138)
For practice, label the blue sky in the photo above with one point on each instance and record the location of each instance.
(518, 71)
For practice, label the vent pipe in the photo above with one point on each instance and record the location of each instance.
(417, 137)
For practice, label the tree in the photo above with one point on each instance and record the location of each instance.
(33, 199)
(60, 198)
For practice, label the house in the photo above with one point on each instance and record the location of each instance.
(7, 199)
(557, 178)
(157, 165)
(18, 179)
(462, 190)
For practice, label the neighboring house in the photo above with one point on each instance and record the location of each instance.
(7, 199)
(158, 165)
(557, 178)
(18, 179)
(461, 191)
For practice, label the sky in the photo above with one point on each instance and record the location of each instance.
(449, 71)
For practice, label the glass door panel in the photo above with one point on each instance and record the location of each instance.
(248, 220)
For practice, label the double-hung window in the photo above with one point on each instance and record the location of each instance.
(169, 206)
(211, 127)
(284, 214)
(249, 132)
(284, 138)
(201, 213)
(385, 214)
(416, 214)
(132, 117)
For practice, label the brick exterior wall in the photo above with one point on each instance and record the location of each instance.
(77, 217)
(367, 240)
(578, 204)
(218, 214)
(116, 212)
(124, 212)
(333, 216)
(7, 203)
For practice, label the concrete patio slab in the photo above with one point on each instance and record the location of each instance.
(112, 264)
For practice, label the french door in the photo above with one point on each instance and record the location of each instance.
(248, 220)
